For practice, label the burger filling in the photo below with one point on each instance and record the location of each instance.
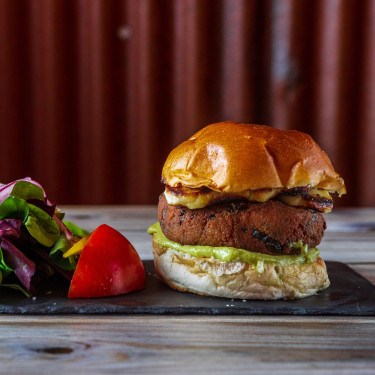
(307, 197)
(230, 254)
(271, 228)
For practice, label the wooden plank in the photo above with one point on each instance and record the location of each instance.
(221, 345)
(366, 270)
(339, 220)
(351, 238)
(348, 247)
(123, 218)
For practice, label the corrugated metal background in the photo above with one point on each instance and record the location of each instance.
(95, 93)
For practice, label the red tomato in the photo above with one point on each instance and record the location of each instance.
(108, 265)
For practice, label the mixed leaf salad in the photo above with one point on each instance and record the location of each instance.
(36, 243)
(33, 236)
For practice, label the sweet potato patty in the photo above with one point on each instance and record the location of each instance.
(266, 228)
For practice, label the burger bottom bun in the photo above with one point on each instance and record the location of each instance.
(212, 277)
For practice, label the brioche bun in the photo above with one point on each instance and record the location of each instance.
(230, 157)
(212, 277)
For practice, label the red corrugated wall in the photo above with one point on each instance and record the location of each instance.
(95, 93)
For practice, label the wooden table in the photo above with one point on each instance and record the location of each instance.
(199, 344)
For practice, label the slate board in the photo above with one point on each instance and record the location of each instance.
(349, 294)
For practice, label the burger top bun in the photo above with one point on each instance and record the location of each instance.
(230, 157)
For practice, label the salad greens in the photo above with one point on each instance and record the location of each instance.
(75, 230)
(42, 226)
(27, 190)
(14, 208)
(5, 270)
(61, 246)
(32, 231)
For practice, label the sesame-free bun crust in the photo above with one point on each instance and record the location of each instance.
(208, 276)
(230, 157)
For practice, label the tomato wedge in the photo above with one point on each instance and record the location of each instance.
(108, 265)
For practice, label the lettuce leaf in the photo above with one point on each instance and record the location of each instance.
(41, 226)
(6, 189)
(75, 229)
(64, 243)
(27, 190)
(10, 228)
(4, 268)
(16, 287)
(63, 228)
(23, 267)
(48, 208)
(14, 208)
(56, 254)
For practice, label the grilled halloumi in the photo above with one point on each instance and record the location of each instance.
(313, 198)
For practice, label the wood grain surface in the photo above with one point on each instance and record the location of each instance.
(198, 344)
(349, 238)
(170, 345)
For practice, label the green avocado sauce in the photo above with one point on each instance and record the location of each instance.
(231, 254)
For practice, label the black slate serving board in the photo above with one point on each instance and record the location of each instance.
(349, 294)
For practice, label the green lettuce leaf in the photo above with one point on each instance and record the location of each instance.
(75, 229)
(16, 287)
(60, 215)
(56, 254)
(41, 226)
(14, 208)
(26, 190)
(4, 268)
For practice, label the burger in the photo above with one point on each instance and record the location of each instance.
(241, 213)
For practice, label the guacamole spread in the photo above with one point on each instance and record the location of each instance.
(231, 254)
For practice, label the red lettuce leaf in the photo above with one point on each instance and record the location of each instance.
(10, 228)
(22, 266)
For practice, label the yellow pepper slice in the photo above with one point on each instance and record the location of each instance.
(77, 247)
